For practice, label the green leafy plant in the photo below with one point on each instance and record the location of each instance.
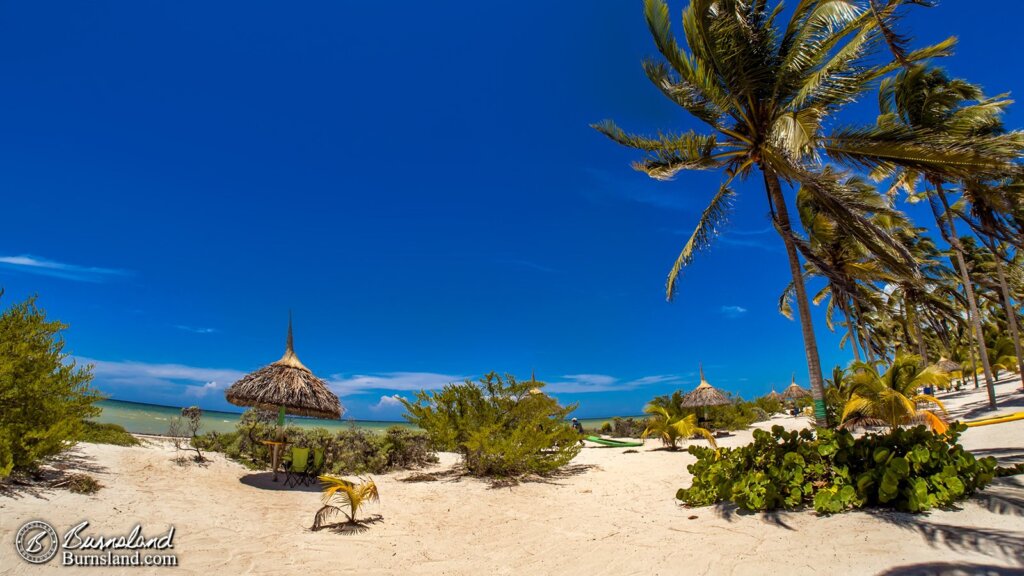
(671, 427)
(907, 469)
(501, 427)
(339, 494)
(44, 394)
(891, 398)
(106, 433)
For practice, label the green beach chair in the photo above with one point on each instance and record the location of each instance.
(316, 467)
(295, 469)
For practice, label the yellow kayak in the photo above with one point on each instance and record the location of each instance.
(995, 420)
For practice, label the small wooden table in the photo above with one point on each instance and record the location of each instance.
(275, 453)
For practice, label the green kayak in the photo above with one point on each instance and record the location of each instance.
(613, 443)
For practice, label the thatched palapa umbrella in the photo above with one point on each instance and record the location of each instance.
(286, 386)
(704, 395)
(793, 392)
(773, 395)
(947, 365)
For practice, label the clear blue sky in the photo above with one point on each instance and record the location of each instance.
(416, 180)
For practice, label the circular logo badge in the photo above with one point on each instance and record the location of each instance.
(36, 542)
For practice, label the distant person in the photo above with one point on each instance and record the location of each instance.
(578, 428)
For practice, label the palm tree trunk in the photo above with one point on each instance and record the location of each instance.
(1011, 313)
(774, 189)
(972, 304)
(866, 342)
(922, 350)
(851, 328)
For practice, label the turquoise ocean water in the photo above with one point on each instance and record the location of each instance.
(152, 419)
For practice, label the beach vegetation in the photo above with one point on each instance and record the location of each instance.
(502, 427)
(769, 86)
(891, 398)
(345, 497)
(44, 394)
(620, 427)
(346, 452)
(106, 433)
(908, 469)
(185, 431)
(670, 426)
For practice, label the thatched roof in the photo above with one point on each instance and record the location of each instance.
(947, 365)
(704, 395)
(286, 383)
(773, 395)
(792, 392)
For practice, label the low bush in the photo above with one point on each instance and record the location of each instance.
(44, 394)
(106, 434)
(624, 427)
(500, 427)
(907, 469)
(350, 451)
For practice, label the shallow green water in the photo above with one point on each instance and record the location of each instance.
(152, 419)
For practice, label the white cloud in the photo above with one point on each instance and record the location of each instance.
(197, 381)
(401, 381)
(43, 267)
(202, 391)
(195, 330)
(589, 383)
(733, 311)
(388, 403)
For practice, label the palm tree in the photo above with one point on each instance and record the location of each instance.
(340, 493)
(670, 424)
(765, 88)
(891, 398)
(922, 98)
(992, 209)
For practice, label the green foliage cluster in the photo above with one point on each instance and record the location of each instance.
(106, 434)
(347, 452)
(44, 395)
(624, 427)
(500, 427)
(907, 469)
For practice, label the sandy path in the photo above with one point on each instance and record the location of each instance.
(614, 513)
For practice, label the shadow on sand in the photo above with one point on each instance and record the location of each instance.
(951, 569)
(265, 481)
(350, 528)
(42, 483)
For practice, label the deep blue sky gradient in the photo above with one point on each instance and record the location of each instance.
(416, 180)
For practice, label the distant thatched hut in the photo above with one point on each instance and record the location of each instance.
(793, 392)
(704, 395)
(286, 385)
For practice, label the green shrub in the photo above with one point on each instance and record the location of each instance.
(500, 427)
(44, 395)
(349, 452)
(907, 469)
(627, 427)
(106, 434)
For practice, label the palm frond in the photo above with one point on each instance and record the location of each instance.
(711, 220)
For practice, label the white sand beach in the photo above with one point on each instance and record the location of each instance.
(611, 513)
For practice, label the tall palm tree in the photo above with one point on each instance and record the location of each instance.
(923, 98)
(765, 87)
(991, 217)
